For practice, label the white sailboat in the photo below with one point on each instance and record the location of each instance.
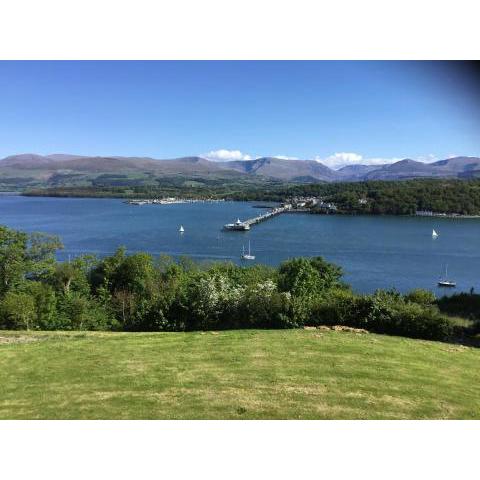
(445, 282)
(181, 229)
(434, 234)
(247, 256)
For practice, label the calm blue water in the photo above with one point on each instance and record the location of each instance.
(375, 252)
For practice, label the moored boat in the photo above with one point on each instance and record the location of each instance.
(445, 282)
(247, 256)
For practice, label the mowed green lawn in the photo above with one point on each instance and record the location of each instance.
(248, 374)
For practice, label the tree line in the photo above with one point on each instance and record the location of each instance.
(401, 197)
(138, 292)
(373, 197)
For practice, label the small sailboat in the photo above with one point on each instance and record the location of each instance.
(434, 234)
(181, 229)
(445, 282)
(247, 256)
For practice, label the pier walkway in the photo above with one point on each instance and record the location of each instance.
(247, 224)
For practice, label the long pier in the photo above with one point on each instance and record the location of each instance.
(266, 216)
(247, 224)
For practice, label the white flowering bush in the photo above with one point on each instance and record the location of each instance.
(213, 298)
(264, 306)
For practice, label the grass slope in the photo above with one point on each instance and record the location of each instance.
(290, 374)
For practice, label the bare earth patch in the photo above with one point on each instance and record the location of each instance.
(19, 339)
(338, 328)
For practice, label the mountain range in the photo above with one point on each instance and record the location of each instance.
(26, 170)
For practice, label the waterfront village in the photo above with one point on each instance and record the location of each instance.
(294, 204)
(312, 204)
(291, 205)
(171, 201)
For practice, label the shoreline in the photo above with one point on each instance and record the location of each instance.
(445, 215)
(133, 200)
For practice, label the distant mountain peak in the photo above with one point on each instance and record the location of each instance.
(407, 161)
(40, 168)
(25, 156)
(64, 156)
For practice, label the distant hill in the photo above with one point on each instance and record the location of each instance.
(403, 169)
(29, 170)
(26, 161)
(32, 170)
(465, 167)
(462, 167)
(63, 156)
(355, 172)
(283, 169)
(79, 164)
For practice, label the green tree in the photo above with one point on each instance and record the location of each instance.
(71, 276)
(80, 312)
(420, 296)
(302, 276)
(45, 301)
(40, 254)
(101, 275)
(17, 310)
(135, 273)
(13, 266)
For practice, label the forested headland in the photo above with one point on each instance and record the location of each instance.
(404, 197)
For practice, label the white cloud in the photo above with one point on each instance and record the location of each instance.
(427, 158)
(381, 161)
(285, 157)
(224, 155)
(341, 159)
(335, 161)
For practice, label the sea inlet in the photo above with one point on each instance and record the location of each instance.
(374, 251)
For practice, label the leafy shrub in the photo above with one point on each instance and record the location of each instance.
(340, 307)
(17, 311)
(77, 312)
(420, 296)
(383, 312)
(407, 319)
(45, 305)
(307, 276)
(476, 328)
(262, 306)
(463, 304)
(213, 298)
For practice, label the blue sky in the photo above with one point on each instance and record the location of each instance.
(337, 112)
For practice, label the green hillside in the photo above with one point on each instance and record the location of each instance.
(243, 374)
